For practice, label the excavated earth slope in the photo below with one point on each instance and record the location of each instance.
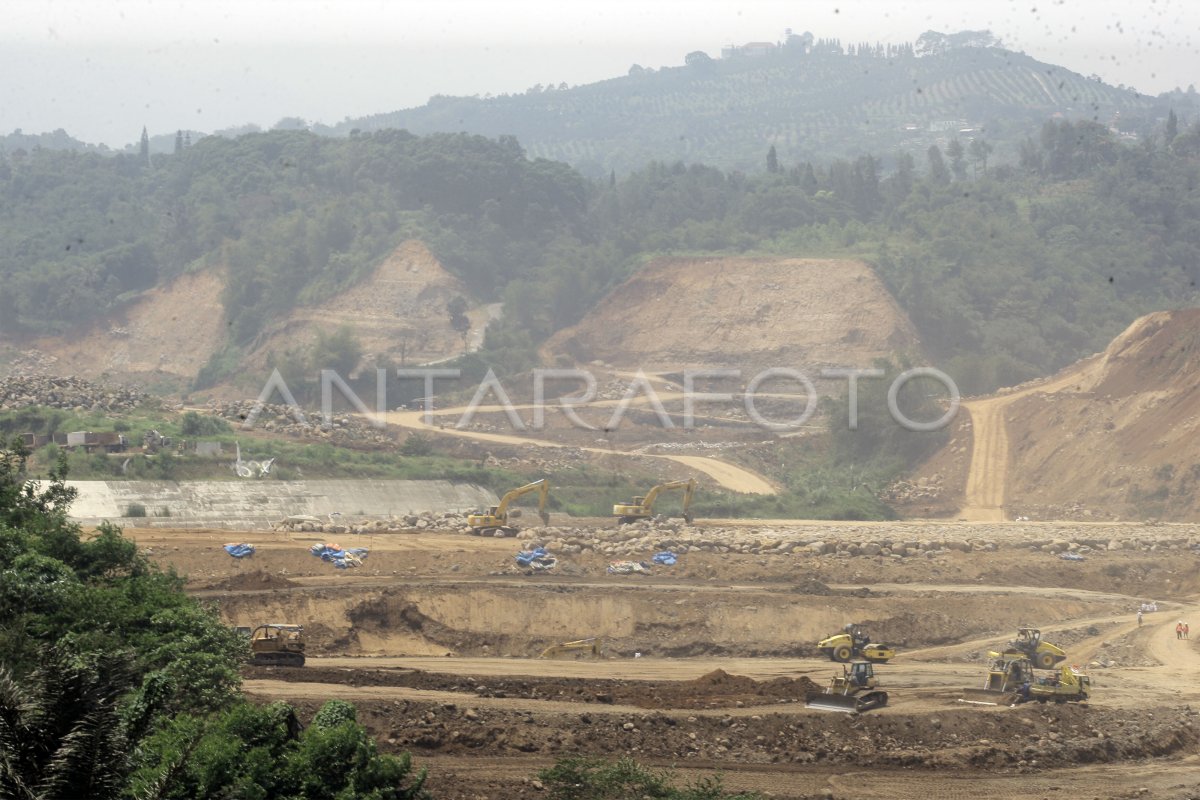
(1119, 439)
(742, 313)
(168, 334)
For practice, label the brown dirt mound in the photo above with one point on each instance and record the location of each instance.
(1027, 738)
(717, 689)
(744, 313)
(259, 579)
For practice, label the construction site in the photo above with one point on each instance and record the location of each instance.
(487, 670)
(1015, 635)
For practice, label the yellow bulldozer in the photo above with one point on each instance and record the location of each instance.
(1029, 643)
(643, 507)
(276, 644)
(1007, 673)
(495, 522)
(852, 692)
(592, 647)
(853, 643)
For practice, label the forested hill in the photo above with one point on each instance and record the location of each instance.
(1008, 272)
(811, 102)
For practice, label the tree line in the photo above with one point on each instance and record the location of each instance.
(1008, 270)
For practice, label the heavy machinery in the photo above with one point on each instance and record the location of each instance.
(852, 643)
(1067, 685)
(852, 692)
(495, 521)
(643, 507)
(1006, 675)
(588, 647)
(276, 644)
(1029, 643)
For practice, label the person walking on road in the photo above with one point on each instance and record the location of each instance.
(1179, 630)
(1185, 630)
(1139, 618)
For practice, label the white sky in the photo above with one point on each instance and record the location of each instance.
(103, 69)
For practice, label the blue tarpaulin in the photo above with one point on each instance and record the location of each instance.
(338, 556)
(665, 558)
(538, 558)
(239, 549)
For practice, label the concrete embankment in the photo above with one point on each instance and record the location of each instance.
(254, 503)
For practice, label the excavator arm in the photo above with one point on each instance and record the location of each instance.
(645, 507)
(541, 486)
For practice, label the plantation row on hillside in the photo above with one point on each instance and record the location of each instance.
(812, 105)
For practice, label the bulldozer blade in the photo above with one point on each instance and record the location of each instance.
(846, 704)
(986, 697)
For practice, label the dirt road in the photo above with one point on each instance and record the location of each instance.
(729, 476)
(987, 477)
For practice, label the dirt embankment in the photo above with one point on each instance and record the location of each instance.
(1109, 438)
(741, 313)
(169, 333)
(717, 689)
(400, 311)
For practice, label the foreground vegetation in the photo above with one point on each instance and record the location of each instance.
(116, 684)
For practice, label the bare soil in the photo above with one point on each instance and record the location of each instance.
(435, 639)
(743, 313)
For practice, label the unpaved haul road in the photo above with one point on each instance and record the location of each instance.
(729, 476)
(987, 478)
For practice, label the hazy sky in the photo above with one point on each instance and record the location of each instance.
(101, 69)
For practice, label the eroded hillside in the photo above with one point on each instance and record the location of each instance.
(742, 313)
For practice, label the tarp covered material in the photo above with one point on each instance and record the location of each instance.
(626, 567)
(239, 549)
(665, 558)
(337, 555)
(539, 558)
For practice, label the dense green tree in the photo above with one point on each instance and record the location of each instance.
(958, 163)
(939, 175)
(115, 683)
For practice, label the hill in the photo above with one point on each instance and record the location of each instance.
(744, 313)
(809, 102)
(1118, 439)
(1111, 437)
(167, 336)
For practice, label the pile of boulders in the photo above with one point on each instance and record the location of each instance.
(844, 541)
(920, 490)
(336, 524)
(69, 392)
(301, 423)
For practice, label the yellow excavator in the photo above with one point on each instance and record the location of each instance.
(495, 521)
(1029, 643)
(852, 692)
(588, 647)
(643, 507)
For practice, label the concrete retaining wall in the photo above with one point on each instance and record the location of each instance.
(254, 503)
